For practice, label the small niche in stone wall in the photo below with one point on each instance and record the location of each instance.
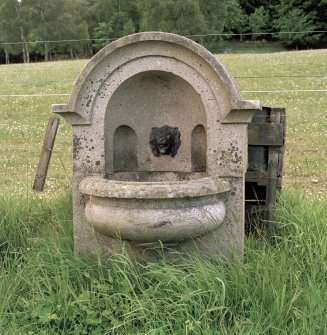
(198, 149)
(125, 150)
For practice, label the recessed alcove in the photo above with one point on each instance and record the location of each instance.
(146, 100)
(199, 149)
(124, 150)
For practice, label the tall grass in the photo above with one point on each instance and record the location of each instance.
(279, 287)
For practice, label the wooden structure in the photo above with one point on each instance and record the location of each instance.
(263, 179)
(45, 156)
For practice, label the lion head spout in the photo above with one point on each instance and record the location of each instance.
(165, 140)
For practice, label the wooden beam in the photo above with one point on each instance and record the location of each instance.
(267, 134)
(271, 195)
(278, 115)
(45, 156)
(259, 177)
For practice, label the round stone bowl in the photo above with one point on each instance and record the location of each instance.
(166, 211)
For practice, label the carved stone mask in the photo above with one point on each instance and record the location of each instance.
(165, 140)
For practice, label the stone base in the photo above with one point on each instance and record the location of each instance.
(225, 240)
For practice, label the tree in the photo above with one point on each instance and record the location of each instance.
(122, 15)
(122, 24)
(214, 12)
(14, 27)
(180, 16)
(102, 32)
(259, 20)
(57, 20)
(6, 33)
(318, 9)
(291, 20)
(71, 25)
(236, 20)
(148, 11)
(249, 6)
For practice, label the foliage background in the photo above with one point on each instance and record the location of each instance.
(28, 28)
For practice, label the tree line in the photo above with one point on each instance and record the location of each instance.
(30, 28)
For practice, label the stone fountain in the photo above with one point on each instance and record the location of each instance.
(159, 150)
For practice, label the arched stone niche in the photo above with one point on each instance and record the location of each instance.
(199, 149)
(146, 100)
(172, 81)
(124, 150)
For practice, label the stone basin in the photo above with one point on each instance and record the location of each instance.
(151, 211)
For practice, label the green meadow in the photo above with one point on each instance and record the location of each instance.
(278, 287)
(24, 119)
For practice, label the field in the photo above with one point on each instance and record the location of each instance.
(241, 47)
(23, 119)
(278, 288)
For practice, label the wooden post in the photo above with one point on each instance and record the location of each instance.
(275, 166)
(45, 155)
(271, 192)
(264, 182)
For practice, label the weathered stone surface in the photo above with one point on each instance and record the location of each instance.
(145, 81)
(100, 187)
(153, 211)
(153, 220)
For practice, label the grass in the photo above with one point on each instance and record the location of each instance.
(23, 119)
(306, 140)
(278, 288)
(238, 47)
